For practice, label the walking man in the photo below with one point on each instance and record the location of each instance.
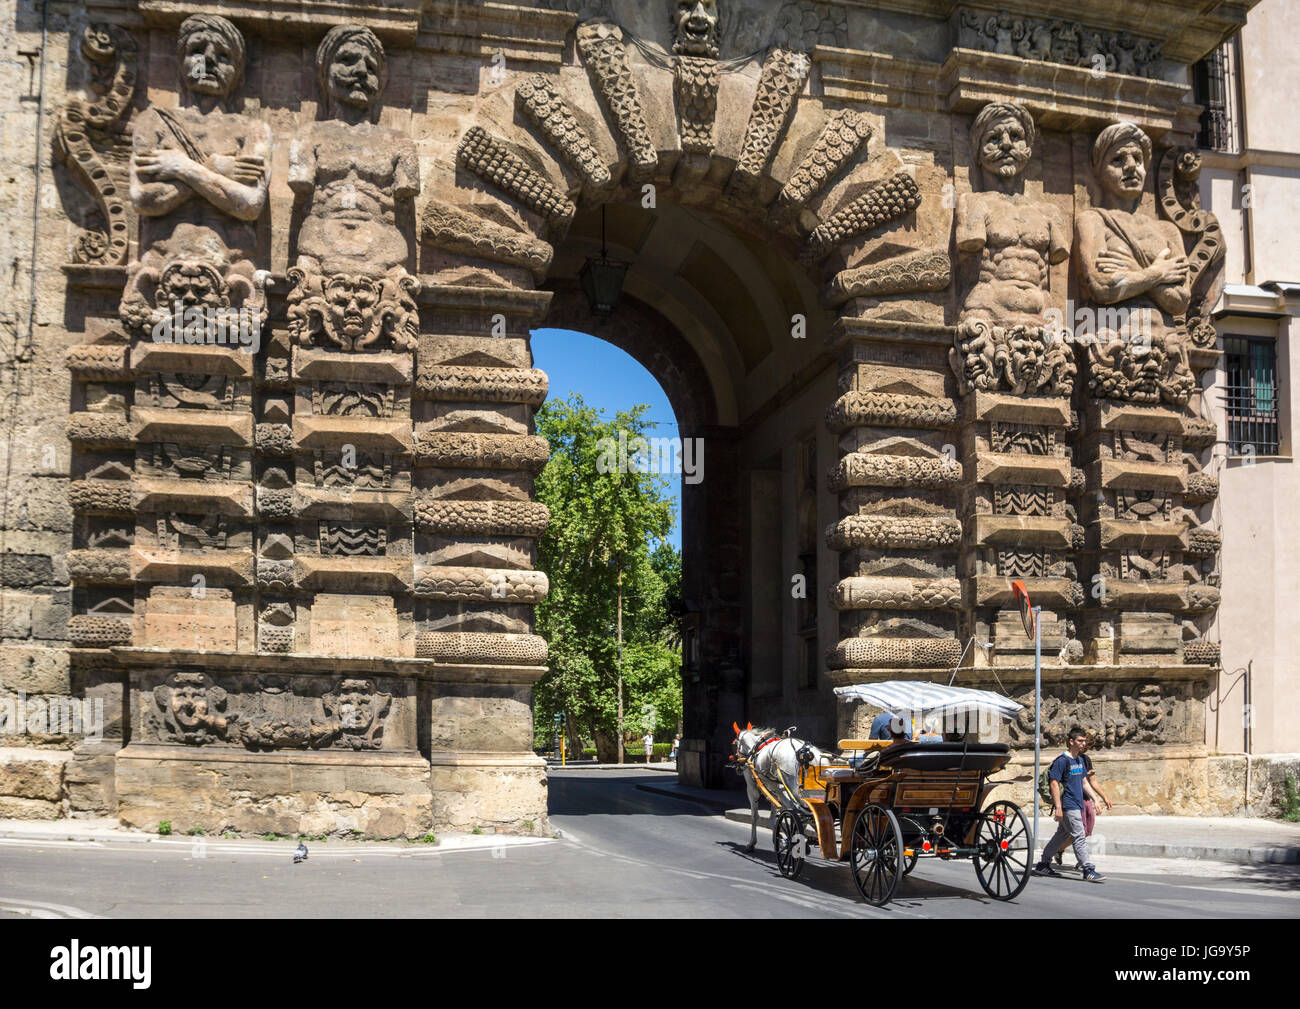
(649, 741)
(1093, 793)
(1068, 783)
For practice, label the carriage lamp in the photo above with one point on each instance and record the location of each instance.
(602, 277)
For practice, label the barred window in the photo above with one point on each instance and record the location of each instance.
(1214, 85)
(1251, 396)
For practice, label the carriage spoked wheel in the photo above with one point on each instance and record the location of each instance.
(876, 855)
(909, 861)
(790, 843)
(1002, 854)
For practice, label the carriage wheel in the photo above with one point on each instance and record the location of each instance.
(790, 843)
(876, 856)
(1002, 856)
(909, 862)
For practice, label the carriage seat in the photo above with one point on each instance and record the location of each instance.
(863, 744)
(946, 756)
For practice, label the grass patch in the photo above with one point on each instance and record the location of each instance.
(196, 832)
(428, 839)
(1290, 799)
(164, 827)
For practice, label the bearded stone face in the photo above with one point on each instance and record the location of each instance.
(210, 67)
(354, 76)
(352, 307)
(1004, 148)
(695, 28)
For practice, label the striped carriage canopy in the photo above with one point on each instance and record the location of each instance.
(927, 698)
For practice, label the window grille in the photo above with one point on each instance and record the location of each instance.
(1214, 86)
(1251, 396)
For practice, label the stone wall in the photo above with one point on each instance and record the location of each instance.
(297, 567)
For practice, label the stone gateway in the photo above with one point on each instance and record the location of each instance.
(300, 565)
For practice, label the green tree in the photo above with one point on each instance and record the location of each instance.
(607, 539)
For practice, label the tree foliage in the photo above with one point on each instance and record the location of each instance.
(605, 524)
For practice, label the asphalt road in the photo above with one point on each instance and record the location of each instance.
(623, 852)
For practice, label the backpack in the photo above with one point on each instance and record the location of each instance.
(1045, 780)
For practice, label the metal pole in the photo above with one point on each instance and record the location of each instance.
(620, 657)
(1038, 731)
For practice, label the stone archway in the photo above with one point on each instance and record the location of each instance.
(362, 647)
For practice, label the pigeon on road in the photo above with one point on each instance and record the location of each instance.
(300, 853)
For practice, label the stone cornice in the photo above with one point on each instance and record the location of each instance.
(396, 21)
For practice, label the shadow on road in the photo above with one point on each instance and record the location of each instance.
(592, 795)
(835, 879)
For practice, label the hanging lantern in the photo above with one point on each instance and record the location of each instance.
(602, 277)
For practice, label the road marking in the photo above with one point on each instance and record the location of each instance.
(1238, 891)
(43, 909)
(829, 904)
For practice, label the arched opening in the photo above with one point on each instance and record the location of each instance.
(731, 328)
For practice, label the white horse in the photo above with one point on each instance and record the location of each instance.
(774, 757)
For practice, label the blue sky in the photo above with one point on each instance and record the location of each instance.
(609, 380)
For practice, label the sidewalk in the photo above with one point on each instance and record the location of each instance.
(105, 830)
(1224, 838)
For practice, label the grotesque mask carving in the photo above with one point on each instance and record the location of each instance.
(695, 28)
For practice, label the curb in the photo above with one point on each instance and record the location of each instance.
(664, 765)
(1258, 855)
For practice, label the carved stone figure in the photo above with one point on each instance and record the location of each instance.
(1180, 201)
(1002, 340)
(1132, 264)
(695, 28)
(352, 289)
(91, 138)
(359, 712)
(198, 182)
(192, 709)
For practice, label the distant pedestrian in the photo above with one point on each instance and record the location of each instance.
(649, 741)
(677, 740)
(1089, 804)
(1068, 778)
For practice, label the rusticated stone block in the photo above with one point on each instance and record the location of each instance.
(32, 774)
(34, 670)
(19, 571)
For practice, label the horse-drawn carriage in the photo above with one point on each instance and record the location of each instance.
(882, 805)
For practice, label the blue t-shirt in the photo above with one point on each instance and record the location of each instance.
(1070, 772)
(880, 726)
